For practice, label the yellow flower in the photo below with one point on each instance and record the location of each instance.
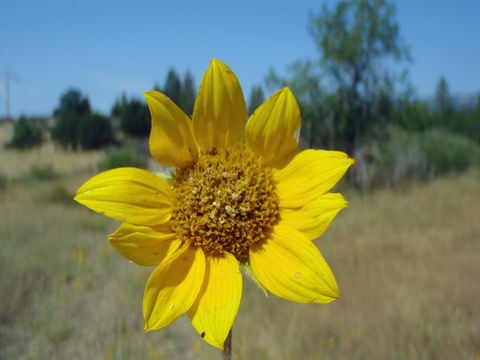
(258, 203)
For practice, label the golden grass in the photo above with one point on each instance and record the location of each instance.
(6, 132)
(407, 263)
(16, 163)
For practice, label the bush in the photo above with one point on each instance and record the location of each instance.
(404, 157)
(447, 152)
(120, 158)
(26, 134)
(389, 163)
(60, 194)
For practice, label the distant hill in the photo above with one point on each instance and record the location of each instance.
(466, 101)
(459, 101)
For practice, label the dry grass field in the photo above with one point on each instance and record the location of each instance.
(407, 263)
(17, 163)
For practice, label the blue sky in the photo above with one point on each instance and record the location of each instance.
(106, 47)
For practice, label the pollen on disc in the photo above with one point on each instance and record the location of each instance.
(224, 202)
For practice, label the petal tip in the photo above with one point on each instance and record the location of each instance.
(78, 197)
(213, 342)
(216, 62)
(328, 299)
(152, 94)
(149, 95)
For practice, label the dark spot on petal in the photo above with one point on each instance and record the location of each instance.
(203, 334)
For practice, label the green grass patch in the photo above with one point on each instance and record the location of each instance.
(122, 157)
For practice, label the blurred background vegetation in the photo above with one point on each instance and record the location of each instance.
(355, 96)
(405, 253)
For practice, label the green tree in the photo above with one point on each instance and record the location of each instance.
(72, 108)
(119, 106)
(134, 116)
(76, 125)
(413, 115)
(173, 86)
(256, 98)
(354, 40)
(445, 114)
(346, 96)
(95, 131)
(187, 94)
(182, 93)
(460, 120)
(73, 101)
(443, 100)
(26, 134)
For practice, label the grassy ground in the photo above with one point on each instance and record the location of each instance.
(407, 263)
(16, 163)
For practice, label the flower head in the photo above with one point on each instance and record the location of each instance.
(258, 203)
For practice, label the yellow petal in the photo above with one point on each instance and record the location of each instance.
(215, 309)
(313, 218)
(220, 113)
(173, 287)
(310, 174)
(291, 267)
(133, 195)
(272, 130)
(171, 141)
(146, 246)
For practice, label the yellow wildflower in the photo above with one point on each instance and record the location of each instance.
(258, 203)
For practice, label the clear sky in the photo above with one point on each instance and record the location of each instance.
(106, 47)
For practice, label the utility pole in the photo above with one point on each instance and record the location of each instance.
(8, 76)
(7, 93)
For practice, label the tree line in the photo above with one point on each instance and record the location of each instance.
(77, 126)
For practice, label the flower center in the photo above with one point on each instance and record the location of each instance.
(224, 202)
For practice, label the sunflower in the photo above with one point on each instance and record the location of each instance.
(240, 194)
